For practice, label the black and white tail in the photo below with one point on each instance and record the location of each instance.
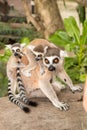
(15, 100)
(22, 93)
(23, 96)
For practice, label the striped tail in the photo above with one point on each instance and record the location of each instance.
(14, 100)
(23, 96)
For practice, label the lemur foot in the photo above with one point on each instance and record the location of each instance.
(62, 106)
(32, 103)
(76, 88)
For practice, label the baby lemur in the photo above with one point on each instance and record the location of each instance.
(37, 47)
(17, 64)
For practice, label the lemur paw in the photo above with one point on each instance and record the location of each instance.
(62, 106)
(76, 88)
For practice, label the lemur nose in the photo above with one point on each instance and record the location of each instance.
(37, 59)
(51, 68)
(15, 54)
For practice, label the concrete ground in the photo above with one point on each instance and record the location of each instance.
(45, 116)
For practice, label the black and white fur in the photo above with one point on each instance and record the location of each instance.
(17, 52)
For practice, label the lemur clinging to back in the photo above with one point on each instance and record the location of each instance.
(17, 64)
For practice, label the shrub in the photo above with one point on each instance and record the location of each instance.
(75, 41)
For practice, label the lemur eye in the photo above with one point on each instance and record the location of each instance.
(46, 61)
(56, 60)
(18, 50)
(40, 55)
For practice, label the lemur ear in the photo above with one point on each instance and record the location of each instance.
(45, 49)
(63, 54)
(23, 45)
(8, 46)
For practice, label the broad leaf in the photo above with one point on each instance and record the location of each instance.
(84, 34)
(72, 28)
(64, 36)
(60, 38)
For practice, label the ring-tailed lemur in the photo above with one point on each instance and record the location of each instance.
(18, 54)
(53, 68)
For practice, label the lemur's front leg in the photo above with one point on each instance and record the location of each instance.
(66, 79)
(47, 89)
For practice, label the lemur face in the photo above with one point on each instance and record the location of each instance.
(51, 58)
(16, 50)
(38, 55)
(51, 62)
(38, 51)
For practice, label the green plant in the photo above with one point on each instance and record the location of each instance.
(3, 61)
(73, 40)
(3, 79)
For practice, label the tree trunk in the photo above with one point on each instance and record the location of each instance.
(29, 16)
(49, 15)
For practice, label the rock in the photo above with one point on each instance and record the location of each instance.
(45, 116)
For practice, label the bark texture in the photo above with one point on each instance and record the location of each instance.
(29, 17)
(49, 14)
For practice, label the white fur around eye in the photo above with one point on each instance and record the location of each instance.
(15, 48)
(50, 59)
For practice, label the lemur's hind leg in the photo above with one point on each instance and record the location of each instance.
(58, 86)
(66, 79)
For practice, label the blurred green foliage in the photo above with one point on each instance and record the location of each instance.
(81, 13)
(3, 79)
(17, 33)
(72, 40)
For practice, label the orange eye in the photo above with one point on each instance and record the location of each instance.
(46, 61)
(18, 50)
(56, 60)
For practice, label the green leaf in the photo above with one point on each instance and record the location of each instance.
(72, 28)
(84, 34)
(82, 77)
(64, 36)
(25, 40)
(60, 38)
